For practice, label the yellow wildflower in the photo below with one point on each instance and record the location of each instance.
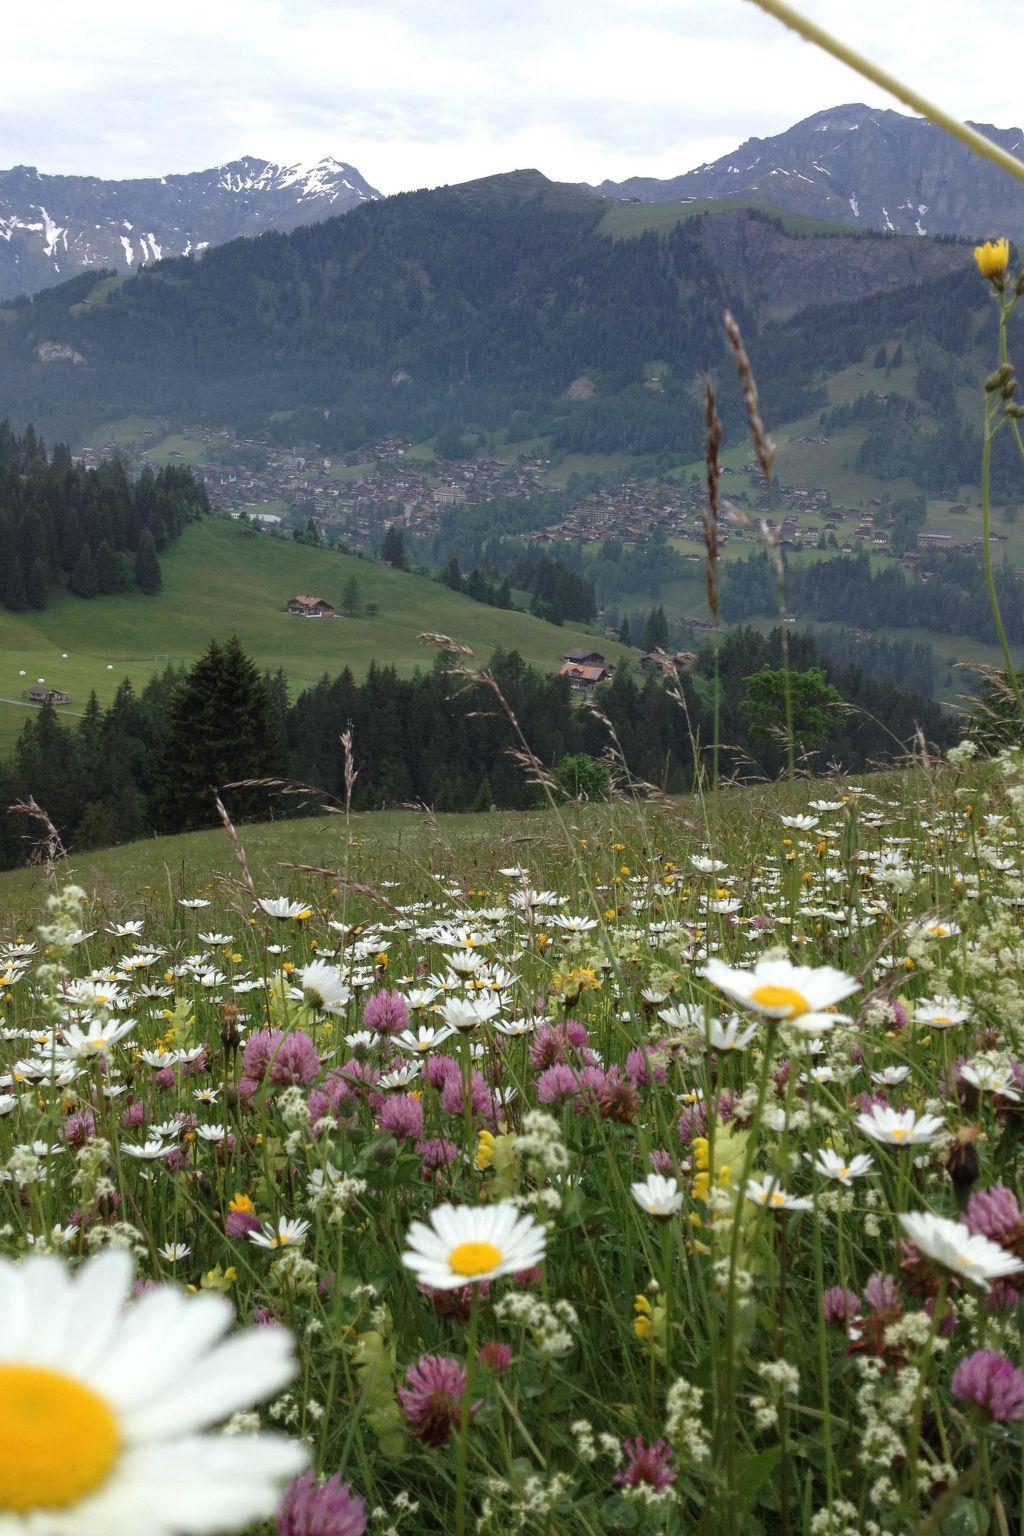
(642, 1320)
(993, 258)
(484, 1150)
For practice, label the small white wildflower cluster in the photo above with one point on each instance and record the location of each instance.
(508, 1509)
(342, 1193)
(886, 1406)
(589, 1447)
(293, 1109)
(841, 1518)
(684, 1421)
(540, 1142)
(782, 1380)
(550, 1327)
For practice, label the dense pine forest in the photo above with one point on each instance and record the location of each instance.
(150, 762)
(86, 531)
(848, 590)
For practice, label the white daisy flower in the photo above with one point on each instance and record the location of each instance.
(467, 1244)
(287, 1234)
(172, 1252)
(129, 930)
(939, 1013)
(83, 1045)
(281, 907)
(768, 1193)
(658, 1195)
(899, 1127)
(778, 989)
(464, 1013)
(954, 1247)
(419, 1041)
(149, 1151)
(831, 1166)
(323, 987)
(730, 1036)
(105, 1404)
(988, 1078)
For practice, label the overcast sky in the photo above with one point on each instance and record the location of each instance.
(419, 92)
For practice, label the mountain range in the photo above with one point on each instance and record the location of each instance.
(854, 165)
(511, 304)
(52, 227)
(864, 167)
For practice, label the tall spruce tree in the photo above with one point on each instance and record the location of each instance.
(219, 729)
(83, 577)
(148, 576)
(37, 586)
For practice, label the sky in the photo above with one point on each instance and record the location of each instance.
(422, 92)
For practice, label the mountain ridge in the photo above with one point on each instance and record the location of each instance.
(54, 226)
(870, 167)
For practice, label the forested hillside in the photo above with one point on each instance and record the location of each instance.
(501, 304)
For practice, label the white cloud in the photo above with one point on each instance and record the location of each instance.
(416, 92)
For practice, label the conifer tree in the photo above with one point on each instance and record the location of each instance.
(83, 577)
(148, 576)
(14, 595)
(218, 730)
(108, 572)
(393, 549)
(37, 586)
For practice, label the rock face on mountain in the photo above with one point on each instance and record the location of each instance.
(52, 227)
(862, 166)
(777, 275)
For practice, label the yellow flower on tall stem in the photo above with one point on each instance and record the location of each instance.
(993, 258)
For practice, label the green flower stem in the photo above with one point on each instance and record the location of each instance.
(811, 33)
(467, 1400)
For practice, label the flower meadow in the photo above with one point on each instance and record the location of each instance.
(665, 1180)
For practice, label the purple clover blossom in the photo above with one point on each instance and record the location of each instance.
(325, 1509)
(839, 1305)
(991, 1383)
(431, 1398)
(77, 1129)
(386, 1012)
(402, 1117)
(995, 1214)
(646, 1065)
(649, 1464)
(557, 1084)
(882, 1293)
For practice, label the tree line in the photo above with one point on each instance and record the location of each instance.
(151, 760)
(954, 600)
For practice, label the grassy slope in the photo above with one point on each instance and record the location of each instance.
(624, 221)
(393, 844)
(218, 582)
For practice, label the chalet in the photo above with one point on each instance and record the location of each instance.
(666, 665)
(934, 540)
(310, 607)
(581, 658)
(48, 696)
(584, 678)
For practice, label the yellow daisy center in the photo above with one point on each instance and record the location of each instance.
(471, 1259)
(59, 1439)
(780, 997)
(897, 1133)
